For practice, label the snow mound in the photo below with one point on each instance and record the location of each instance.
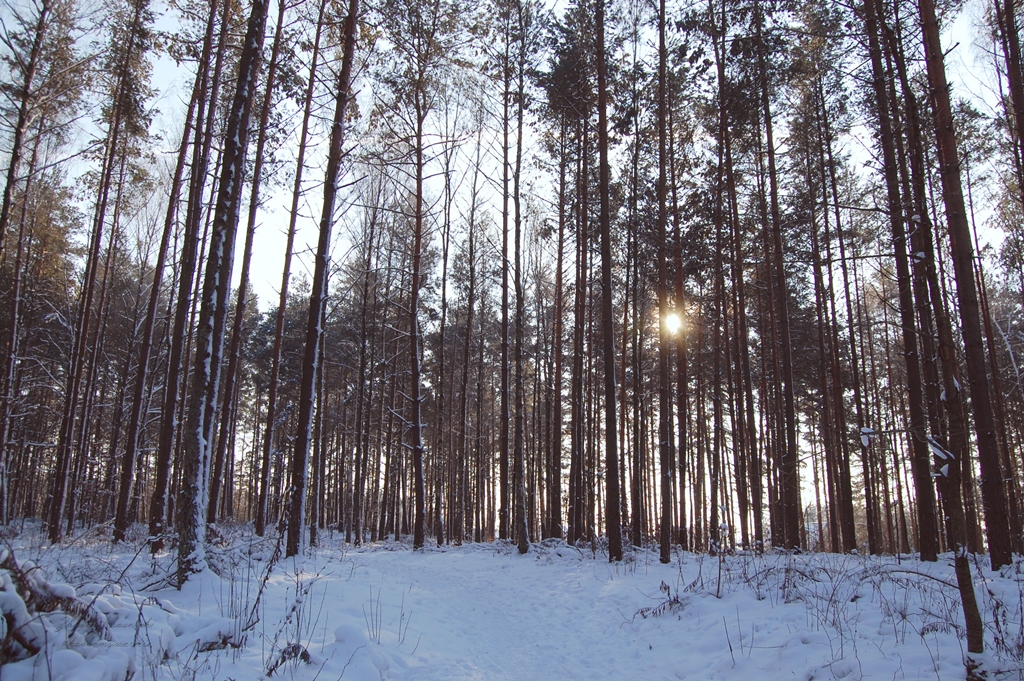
(51, 633)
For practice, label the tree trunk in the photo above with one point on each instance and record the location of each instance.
(612, 522)
(503, 425)
(992, 491)
(790, 479)
(522, 535)
(193, 495)
(665, 445)
(208, 93)
(927, 523)
(9, 379)
(317, 299)
(578, 416)
(272, 416)
(68, 444)
(217, 473)
(139, 399)
(555, 528)
(415, 400)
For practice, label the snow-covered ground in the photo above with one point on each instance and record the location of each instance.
(483, 611)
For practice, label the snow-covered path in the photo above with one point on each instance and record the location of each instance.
(479, 616)
(484, 612)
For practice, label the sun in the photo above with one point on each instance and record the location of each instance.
(673, 322)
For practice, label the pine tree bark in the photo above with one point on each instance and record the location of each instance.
(462, 508)
(207, 87)
(681, 377)
(555, 528)
(665, 444)
(241, 303)
(577, 417)
(9, 380)
(139, 398)
(1006, 22)
(272, 415)
(992, 491)
(522, 535)
(70, 439)
(193, 494)
(316, 488)
(917, 433)
(505, 497)
(362, 394)
(318, 296)
(612, 519)
(830, 188)
(789, 463)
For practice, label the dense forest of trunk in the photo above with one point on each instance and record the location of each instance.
(726, 276)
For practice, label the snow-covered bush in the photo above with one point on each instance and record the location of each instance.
(48, 631)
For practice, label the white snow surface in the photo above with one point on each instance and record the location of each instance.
(482, 611)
